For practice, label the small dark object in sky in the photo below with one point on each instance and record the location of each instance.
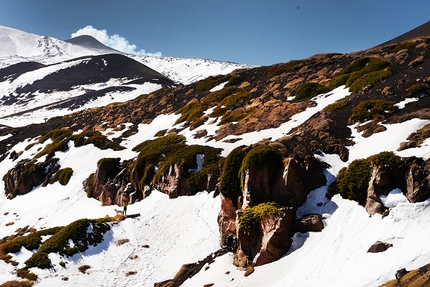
(298, 7)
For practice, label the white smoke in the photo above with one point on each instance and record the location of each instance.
(115, 41)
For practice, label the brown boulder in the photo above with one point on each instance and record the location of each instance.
(311, 222)
(379, 246)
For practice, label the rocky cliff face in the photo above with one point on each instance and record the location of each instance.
(412, 176)
(26, 175)
(287, 185)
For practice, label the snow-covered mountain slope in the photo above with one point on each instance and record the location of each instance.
(86, 82)
(187, 71)
(19, 46)
(170, 232)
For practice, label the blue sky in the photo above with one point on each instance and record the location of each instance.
(252, 32)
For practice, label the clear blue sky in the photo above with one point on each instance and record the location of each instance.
(252, 31)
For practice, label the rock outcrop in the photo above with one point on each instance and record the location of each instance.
(26, 175)
(288, 186)
(411, 175)
(110, 184)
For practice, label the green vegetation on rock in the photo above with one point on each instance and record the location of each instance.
(279, 69)
(367, 110)
(229, 184)
(307, 91)
(59, 242)
(335, 106)
(362, 72)
(62, 176)
(352, 182)
(258, 157)
(251, 217)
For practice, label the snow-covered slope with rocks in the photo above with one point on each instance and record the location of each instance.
(172, 232)
(161, 234)
(19, 46)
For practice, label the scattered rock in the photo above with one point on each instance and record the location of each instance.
(379, 246)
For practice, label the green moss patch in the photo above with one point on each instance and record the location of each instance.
(362, 72)
(307, 91)
(367, 110)
(62, 176)
(187, 156)
(418, 89)
(251, 217)
(258, 157)
(352, 182)
(82, 234)
(335, 106)
(229, 184)
(279, 69)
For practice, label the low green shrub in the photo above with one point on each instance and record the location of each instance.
(210, 82)
(29, 242)
(24, 273)
(402, 46)
(251, 217)
(362, 72)
(150, 146)
(88, 185)
(369, 79)
(56, 135)
(352, 182)
(418, 89)
(233, 116)
(335, 106)
(234, 81)
(278, 69)
(96, 138)
(57, 118)
(229, 184)
(260, 156)
(76, 232)
(152, 153)
(61, 145)
(367, 110)
(191, 112)
(187, 156)
(307, 91)
(62, 176)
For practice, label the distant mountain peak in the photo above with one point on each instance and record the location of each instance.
(90, 42)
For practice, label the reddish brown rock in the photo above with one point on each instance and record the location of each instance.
(418, 180)
(227, 221)
(273, 239)
(311, 222)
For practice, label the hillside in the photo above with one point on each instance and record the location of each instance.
(319, 167)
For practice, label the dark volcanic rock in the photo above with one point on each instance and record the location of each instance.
(379, 246)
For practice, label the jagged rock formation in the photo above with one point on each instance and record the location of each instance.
(412, 176)
(26, 175)
(286, 184)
